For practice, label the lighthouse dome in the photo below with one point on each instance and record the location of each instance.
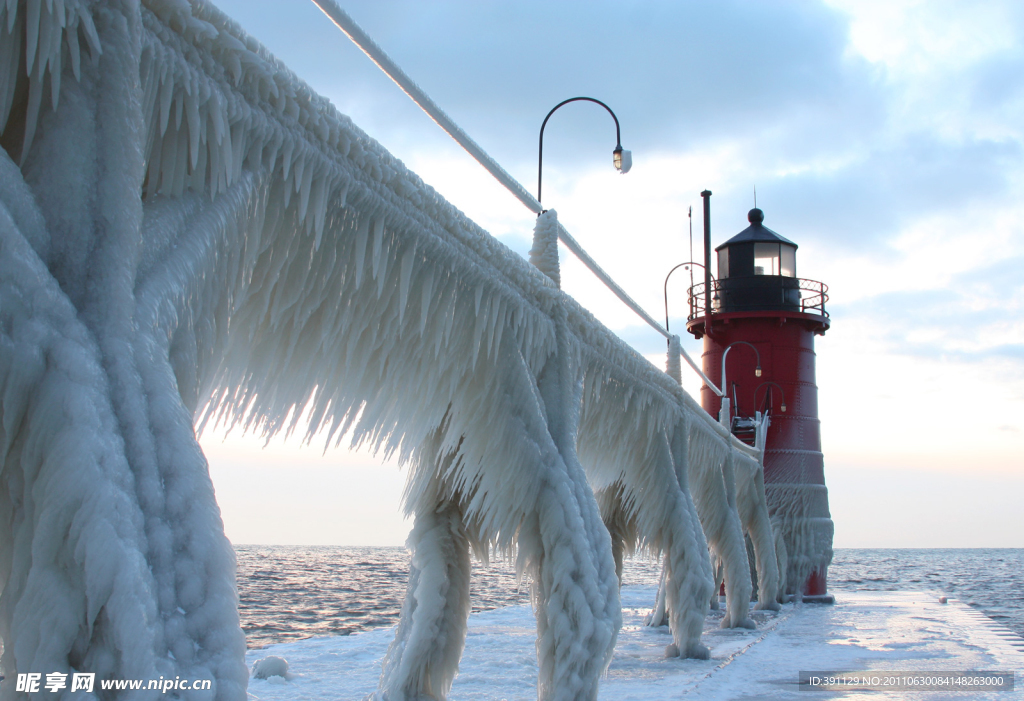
(757, 250)
(757, 270)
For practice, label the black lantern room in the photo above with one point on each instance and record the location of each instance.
(757, 271)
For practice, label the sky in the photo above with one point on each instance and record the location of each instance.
(885, 138)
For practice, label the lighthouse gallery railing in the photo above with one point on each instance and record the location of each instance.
(773, 292)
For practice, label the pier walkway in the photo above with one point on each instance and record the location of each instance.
(864, 631)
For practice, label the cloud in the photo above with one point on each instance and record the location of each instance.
(676, 73)
(870, 200)
(976, 318)
(997, 82)
(822, 131)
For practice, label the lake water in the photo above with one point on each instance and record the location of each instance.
(293, 592)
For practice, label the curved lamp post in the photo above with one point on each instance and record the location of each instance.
(773, 384)
(725, 353)
(689, 262)
(621, 159)
(725, 413)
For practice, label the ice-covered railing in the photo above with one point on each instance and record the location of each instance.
(416, 93)
(190, 234)
(546, 259)
(545, 256)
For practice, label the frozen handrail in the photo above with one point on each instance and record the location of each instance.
(410, 88)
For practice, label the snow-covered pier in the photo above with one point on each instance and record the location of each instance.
(863, 631)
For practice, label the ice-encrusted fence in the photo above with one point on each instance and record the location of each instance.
(189, 234)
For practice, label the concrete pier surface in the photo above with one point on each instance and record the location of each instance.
(881, 633)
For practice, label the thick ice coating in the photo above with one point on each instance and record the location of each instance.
(188, 234)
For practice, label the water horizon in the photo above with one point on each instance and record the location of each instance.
(291, 592)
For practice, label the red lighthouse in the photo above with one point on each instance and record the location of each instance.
(762, 316)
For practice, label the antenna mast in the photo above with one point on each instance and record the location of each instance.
(689, 215)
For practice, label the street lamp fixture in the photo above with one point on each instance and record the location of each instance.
(665, 286)
(621, 158)
(757, 370)
(726, 411)
(772, 384)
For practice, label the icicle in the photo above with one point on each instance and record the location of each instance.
(220, 127)
(321, 187)
(35, 97)
(85, 19)
(166, 95)
(362, 232)
(32, 22)
(479, 327)
(53, 53)
(442, 310)
(426, 299)
(181, 163)
(74, 52)
(168, 158)
(385, 262)
(306, 185)
(343, 195)
(494, 313)
(500, 329)
(237, 152)
(449, 318)
(12, 14)
(192, 114)
(10, 47)
(378, 242)
(178, 103)
(408, 260)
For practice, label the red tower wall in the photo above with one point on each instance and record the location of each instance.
(794, 465)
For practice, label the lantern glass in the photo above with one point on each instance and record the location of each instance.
(788, 262)
(622, 159)
(766, 259)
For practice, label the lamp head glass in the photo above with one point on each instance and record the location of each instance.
(622, 160)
